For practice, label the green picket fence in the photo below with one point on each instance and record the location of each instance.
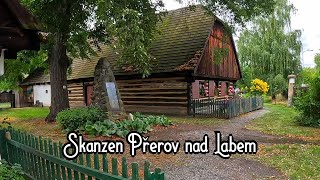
(225, 108)
(42, 159)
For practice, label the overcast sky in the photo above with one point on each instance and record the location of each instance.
(305, 19)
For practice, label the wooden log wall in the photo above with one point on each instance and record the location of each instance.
(155, 95)
(76, 95)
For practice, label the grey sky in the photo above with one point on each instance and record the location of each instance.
(305, 19)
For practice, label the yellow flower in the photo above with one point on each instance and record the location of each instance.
(258, 86)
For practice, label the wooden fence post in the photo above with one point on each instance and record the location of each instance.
(194, 107)
(3, 145)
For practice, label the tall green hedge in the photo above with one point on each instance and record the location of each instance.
(308, 104)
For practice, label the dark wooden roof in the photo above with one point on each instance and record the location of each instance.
(22, 15)
(183, 34)
(18, 28)
(40, 76)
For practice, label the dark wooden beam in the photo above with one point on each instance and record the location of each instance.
(206, 77)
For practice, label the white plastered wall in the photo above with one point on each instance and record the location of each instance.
(42, 93)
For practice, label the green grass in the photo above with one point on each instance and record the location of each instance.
(5, 105)
(24, 113)
(32, 120)
(280, 121)
(296, 161)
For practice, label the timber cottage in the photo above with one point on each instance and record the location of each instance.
(186, 68)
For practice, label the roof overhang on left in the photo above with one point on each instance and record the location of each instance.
(19, 29)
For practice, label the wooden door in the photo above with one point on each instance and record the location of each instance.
(89, 91)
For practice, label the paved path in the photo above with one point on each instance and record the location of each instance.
(210, 166)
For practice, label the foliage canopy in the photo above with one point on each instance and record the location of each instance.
(18, 69)
(269, 47)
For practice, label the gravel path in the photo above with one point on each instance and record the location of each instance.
(209, 166)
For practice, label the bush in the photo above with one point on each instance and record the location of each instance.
(267, 99)
(74, 119)
(308, 105)
(259, 87)
(141, 124)
(10, 172)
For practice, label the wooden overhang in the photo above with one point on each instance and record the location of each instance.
(18, 29)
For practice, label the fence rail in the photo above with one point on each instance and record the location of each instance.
(42, 159)
(225, 108)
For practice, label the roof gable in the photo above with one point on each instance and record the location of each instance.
(227, 67)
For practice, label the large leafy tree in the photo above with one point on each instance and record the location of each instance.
(18, 69)
(75, 26)
(269, 48)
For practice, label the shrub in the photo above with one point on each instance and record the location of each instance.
(141, 124)
(259, 87)
(267, 99)
(74, 119)
(308, 104)
(10, 172)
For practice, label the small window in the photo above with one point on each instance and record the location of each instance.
(69, 92)
(46, 91)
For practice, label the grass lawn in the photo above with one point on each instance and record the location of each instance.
(31, 120)
(280, 121)
(5, 105)
(24, 113)
(297, 161)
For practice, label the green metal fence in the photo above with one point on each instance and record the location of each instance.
(225, 108)
(42, 159)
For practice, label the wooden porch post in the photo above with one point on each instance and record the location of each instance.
(223, 88)
(195, 90)
(211, 88)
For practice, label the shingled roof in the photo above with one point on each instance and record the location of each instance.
(183, 33)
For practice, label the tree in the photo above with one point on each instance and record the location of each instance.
(17, 69)
(75, 26)
(269, 47)
(277, 85)
(306, 76)
(317, 61)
